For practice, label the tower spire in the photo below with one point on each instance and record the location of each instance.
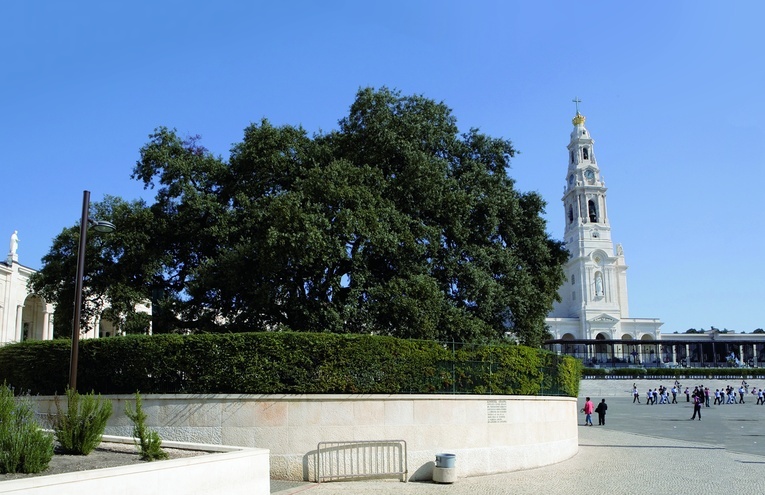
(577, 101)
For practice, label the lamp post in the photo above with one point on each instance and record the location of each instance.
(98, 226)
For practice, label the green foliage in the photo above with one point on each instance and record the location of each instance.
(299, 363)
(394, 224)
(79, 429)
(148, 440)
(119, 268)
(24, 447)
(20, 365)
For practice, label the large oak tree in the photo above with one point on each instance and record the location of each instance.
(394, 224)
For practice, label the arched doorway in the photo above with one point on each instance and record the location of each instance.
(34, 318)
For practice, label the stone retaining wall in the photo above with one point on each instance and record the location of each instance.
(489, 434)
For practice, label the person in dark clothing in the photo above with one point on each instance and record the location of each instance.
(601, 410)
(696, 407)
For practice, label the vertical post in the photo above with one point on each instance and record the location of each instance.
(78, 290)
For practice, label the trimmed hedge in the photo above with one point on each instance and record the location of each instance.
(286, 363)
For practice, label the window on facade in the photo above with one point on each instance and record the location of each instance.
(572, 157)
(570, 214)
(585, 153)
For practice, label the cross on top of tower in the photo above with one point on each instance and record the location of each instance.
(578, 118)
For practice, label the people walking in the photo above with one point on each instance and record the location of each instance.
(696, 407)
(635, 394)
(587, 410)
(601, 410)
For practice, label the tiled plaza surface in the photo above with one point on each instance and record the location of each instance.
(641, 449)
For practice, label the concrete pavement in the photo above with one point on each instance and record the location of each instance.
(642, 448)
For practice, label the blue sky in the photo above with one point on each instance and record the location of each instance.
(672, 92)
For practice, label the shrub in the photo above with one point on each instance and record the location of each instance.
(290, 363)
(80, 428)
(24, 447)
(147, 440)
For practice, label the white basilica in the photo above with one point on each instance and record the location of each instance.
(23, 316)
(594, 302)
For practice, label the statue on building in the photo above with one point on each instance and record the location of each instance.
(619, 250)
(598, 285)
(14, 242)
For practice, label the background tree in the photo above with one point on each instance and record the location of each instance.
(394, 224)
(117, 273)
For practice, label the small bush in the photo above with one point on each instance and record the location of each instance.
(24, 447)
(147, 440)
(80, 428)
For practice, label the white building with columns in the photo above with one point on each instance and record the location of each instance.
(23, 316)
(594, 303)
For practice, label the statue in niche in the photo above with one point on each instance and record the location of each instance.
(598, 285)
(14, 242)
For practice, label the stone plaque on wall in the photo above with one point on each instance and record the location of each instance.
(497, 411)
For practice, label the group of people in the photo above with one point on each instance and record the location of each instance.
(589, 407)
(659, 395)
(728, 395)
(700, 396)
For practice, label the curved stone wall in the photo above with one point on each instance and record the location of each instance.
(489, 434)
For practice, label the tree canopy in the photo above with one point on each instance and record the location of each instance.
(393, 224)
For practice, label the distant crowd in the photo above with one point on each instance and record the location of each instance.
(701, 394)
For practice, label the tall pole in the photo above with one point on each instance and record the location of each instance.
(78, 290)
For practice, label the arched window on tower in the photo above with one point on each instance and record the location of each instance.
(572, 156)
(585, 153)
(592, 210)
(570, 213)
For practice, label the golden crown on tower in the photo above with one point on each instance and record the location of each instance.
(578, 120)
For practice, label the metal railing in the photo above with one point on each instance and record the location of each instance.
(361, 459)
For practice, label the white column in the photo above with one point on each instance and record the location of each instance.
(19, 312)
(46, 326)
(754, 354)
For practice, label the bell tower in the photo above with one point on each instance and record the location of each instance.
(595, 291)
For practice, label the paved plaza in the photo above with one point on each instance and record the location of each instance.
(655, 449)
